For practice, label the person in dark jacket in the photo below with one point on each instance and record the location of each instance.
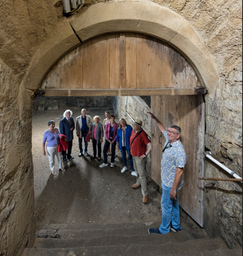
(66, 127)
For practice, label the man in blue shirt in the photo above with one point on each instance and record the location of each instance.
(83, 125)
(172, 165)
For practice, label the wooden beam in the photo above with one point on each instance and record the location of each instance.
(119, 92)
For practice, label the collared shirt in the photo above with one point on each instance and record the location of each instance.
(173, 156)
(138, 146)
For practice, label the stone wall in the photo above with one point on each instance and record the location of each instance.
(49, 103)
(16, 170)
(132, 108)
(25, 25)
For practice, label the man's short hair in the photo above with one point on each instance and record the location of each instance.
(178, 129)
(113, 116)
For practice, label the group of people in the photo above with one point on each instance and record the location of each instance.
(134, 144)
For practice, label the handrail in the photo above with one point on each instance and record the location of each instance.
(130, 116)
(222, 179)
(232, 173)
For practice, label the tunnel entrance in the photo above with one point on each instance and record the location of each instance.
(84, 192)
(126, 64)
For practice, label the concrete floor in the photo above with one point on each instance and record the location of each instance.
(85, 193)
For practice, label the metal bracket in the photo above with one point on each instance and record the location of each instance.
(201, 91)
(38, 93)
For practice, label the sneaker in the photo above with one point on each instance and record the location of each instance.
(175, 229)
(103, 165)
(80, 154)
(65, 160)
(154, 231)
(123, 169)
(134, 173)
(112, 164)
(86, 154)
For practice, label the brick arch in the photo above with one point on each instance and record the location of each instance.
(139, 17)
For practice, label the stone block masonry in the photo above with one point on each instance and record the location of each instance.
(49, 103)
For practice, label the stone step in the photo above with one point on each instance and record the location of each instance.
(115, 239)
(191, 247)
(220, 252)
(90, 226)
(109, 232)
(79, 226)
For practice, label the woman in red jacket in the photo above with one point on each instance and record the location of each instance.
(110, 139)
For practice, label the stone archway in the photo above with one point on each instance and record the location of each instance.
(121, 64)
(146, 18)
(143, 18)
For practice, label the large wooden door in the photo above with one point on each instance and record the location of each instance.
(119, 65)
(188, 113)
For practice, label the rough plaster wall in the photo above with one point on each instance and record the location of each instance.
(16, 176)
(26, 24)
(137, 108)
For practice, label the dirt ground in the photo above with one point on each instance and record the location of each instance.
(84, 193)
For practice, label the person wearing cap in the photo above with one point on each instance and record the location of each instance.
(83, 125)
(66, 127)
(140, 147)
(172, 165)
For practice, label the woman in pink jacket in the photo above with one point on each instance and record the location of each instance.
(110, 139)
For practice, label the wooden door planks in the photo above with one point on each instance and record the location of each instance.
(123, 61)
(188, 113)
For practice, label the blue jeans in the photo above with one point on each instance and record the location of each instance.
(124, 159)
(85, 143)
(170, 211)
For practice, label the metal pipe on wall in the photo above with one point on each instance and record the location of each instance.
(232, 173)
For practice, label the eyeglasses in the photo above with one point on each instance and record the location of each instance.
(172, 132)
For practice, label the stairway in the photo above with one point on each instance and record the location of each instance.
(124, 239)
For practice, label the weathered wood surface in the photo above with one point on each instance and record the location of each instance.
(118, 92)
(119, 62)
(188, 113)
